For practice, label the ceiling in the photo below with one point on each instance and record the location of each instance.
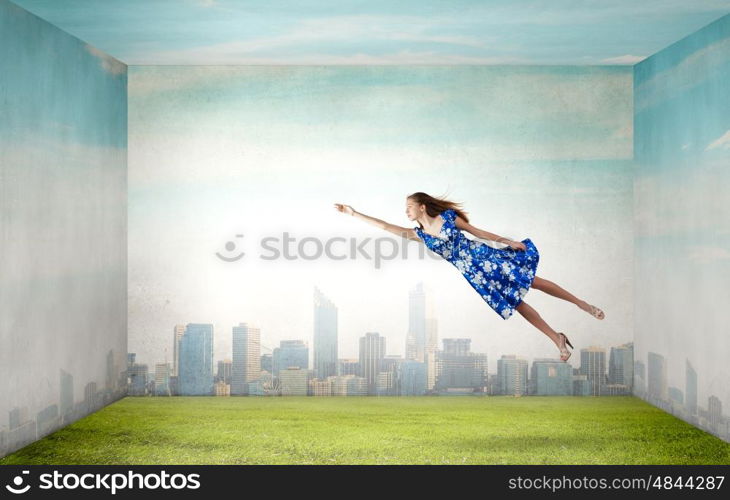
(240, 32)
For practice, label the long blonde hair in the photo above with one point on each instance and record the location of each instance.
(435, 206)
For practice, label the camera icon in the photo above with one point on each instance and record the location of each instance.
(18, 482)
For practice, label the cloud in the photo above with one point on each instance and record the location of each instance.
(690, 72)
(681, 201)
(722, 142)
(108, 63)
(624, 59)
(341, 29)
(704, 253)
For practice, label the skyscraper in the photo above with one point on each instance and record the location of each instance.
(177, 333)
(690, 388)
(325, 336)
(67, 395)
(246, 362)
(290, 354)
(593, 366)
(639, 377)
(551, 377)
(294, 381)
(621, 365)
(512, 375)
(138, 378)
(432, 337)
(675, 395)
(162, 379)
(657, 376)
(422, 331)
(411, 378)
(225, 369)
(714, 411)
(460, 369)
(348, 367)
(372, 352)
(196, 360)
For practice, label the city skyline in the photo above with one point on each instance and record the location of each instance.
(417, 296)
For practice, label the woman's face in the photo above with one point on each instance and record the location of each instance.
(412, 209)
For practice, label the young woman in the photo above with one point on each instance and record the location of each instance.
(501, 276)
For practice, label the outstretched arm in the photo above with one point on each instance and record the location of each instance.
(405, 232)
(486, 235)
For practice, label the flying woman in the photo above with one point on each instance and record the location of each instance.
(501, 276)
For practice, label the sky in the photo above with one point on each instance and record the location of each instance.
(214, 32)
(541, 152)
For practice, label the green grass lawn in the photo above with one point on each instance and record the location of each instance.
(370, 430)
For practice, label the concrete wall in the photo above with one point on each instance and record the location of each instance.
(682, 227)
(63, 228)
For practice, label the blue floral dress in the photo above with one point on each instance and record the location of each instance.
(502, 277)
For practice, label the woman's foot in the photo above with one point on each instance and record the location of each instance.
(592, 310)
(564, 352)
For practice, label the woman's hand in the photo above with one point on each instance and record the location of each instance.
(345, 209)
(516, 245)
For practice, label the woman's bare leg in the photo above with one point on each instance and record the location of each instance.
(531, 315)
(556, 290)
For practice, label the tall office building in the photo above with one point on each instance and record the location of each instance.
(67, 395)
(196, 360)
(411, 378)
(225, 370)
(246, 362)
(714, 411)
(385, 384)
(422, 325)
(593, 366)
(459, 369)
(177, 332)
(294, 381)
(162, 379)
(621, 365)
(690, 388)
(391, 362)
(348, 367)
(267, 362)
(512, 375)
(325, 336)
(431, 363)
(372, 352)
(551, 377)
(138, 378)
(457, 347)
(290, 354)
(675, 395)
(639, 377)
(657, 376)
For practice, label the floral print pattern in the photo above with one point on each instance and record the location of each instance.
(502, 277)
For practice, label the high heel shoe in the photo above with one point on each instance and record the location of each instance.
(564, 352)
